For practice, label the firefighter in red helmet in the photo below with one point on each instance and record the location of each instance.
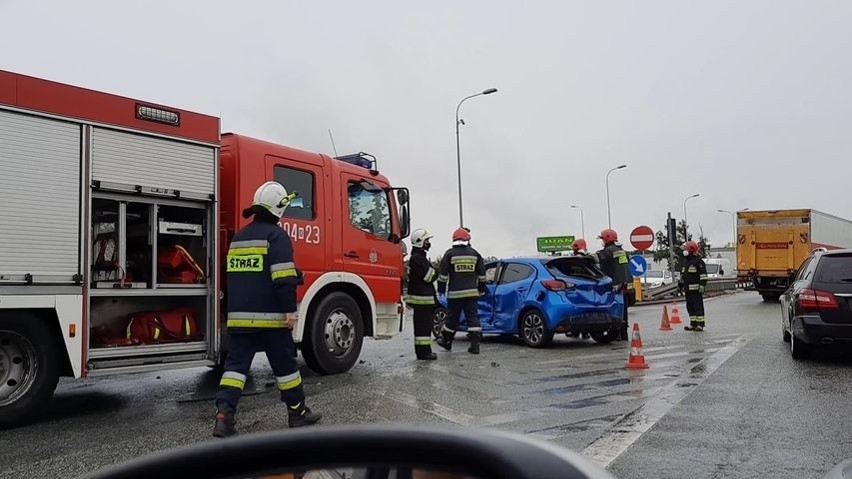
(613, 262)
(462, 267)
(694, 274)
(579, 248)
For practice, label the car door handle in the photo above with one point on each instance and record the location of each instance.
(351, 254)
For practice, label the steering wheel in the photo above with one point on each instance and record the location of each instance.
(469, 452)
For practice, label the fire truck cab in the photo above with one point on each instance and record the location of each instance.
(115, 211)
(346, 231)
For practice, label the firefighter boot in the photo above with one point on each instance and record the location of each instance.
(225, 424)
(474, 343)
(693, 326)
(303, 416)
(446, 340)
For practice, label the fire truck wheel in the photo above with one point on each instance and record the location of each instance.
(334, 335)
(29, 368)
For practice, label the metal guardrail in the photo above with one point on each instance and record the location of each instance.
(721, 284)
(659, 292)
(713, 285)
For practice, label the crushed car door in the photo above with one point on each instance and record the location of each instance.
(510, 293)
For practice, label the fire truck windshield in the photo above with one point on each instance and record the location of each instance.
(369, 210)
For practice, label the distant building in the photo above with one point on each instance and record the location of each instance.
(725, 252)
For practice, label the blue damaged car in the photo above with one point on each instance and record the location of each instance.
(535, 298)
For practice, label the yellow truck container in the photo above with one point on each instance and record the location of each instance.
(771, 245)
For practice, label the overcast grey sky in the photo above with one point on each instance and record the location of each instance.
(745, 102)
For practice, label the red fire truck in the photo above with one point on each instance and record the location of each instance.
(114, 210)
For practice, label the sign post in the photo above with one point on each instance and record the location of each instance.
(638, 266)
(552, 244)
(642, 238)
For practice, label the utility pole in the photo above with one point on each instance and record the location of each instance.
(671, 226)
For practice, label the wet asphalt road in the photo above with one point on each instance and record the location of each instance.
(729, 402)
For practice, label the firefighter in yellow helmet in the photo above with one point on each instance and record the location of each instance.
(421, 293)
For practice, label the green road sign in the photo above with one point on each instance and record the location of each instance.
(548, 244)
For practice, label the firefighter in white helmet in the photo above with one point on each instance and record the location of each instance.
(261, 304)
(421, 293)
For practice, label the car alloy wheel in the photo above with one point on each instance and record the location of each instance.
(534, 330)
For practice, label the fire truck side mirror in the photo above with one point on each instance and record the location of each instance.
(402, 196)
(404, 222)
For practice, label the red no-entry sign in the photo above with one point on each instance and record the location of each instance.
(642, 238)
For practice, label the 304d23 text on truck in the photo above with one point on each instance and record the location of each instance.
(116, 214)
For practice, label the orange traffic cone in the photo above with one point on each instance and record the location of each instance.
(636, 359)
(675, 315)
(664, 323)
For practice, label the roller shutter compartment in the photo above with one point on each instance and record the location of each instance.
(39, 199)
(131, 159)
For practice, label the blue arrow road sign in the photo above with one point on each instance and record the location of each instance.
(637, 265)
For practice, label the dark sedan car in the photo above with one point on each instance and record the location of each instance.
(817, 309)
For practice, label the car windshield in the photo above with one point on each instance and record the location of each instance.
(713, 268)
(654, 274)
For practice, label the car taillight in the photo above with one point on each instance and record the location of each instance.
(557, 284)
(811, 299)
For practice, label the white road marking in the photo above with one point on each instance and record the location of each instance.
(606, 449)
(430, 407)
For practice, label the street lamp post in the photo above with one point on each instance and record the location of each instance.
(582, 221)
(733, 221)
(458, 147)
(686, 223)
(608, 212)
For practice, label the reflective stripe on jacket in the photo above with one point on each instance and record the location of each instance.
(421, 276)
(613, 262)
(694, 273)
(262, 277)
(463, 269)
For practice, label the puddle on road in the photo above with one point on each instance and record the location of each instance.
(698, 371)
(600, 384)
(607, 398)
(554, 432)
(587, 374)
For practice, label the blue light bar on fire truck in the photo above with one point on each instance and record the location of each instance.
(364, 160)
